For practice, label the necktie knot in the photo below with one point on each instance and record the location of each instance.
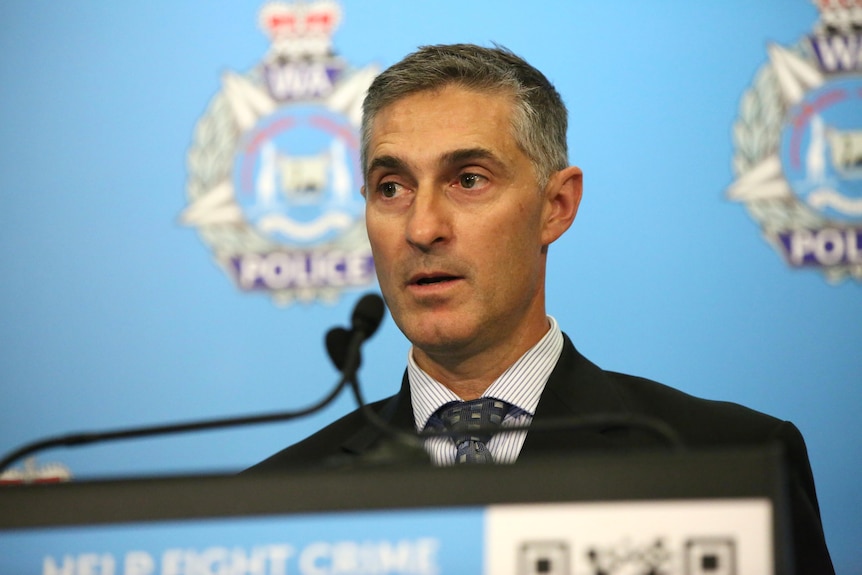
(473, 423)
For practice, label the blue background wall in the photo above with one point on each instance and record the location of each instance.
(114, 314)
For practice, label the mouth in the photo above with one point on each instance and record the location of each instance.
(432, 279)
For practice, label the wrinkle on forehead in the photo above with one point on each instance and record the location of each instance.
(471, 125)
(433, 93)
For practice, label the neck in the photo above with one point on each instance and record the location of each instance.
(469, 373)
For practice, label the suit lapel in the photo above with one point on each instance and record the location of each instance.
(396, 410)
(576, 387)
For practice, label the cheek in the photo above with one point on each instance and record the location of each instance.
(523, 230)
(508, 263)
(382, 265)
(505, 237)
(378, 236)
(379, 256)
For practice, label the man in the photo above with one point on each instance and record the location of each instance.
(467, 184)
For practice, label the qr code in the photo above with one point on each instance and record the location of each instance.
(543, 558)
(710, 556)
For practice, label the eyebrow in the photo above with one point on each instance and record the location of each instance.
(386, 162)
(468, 154)
(448, 159)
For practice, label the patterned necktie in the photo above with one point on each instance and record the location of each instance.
(464, 418)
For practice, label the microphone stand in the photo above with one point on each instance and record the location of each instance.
(84, 438)
(366, 319)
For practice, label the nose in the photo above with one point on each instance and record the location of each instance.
(429, 221)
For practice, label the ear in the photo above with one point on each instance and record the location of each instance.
(562, 198)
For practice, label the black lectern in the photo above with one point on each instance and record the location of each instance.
(687, 513)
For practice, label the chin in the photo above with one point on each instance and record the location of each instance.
(438, 339)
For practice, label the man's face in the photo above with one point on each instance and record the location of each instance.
(456, 223)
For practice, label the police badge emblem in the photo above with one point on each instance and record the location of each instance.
(798, 141)
(274, 173)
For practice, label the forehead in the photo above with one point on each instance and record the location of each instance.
(437, 121)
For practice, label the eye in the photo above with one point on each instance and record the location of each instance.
(388, 189)
(470, 181)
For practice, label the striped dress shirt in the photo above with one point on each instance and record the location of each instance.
(520, 386)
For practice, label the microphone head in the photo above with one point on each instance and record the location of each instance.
(337, 341)
(368, 314)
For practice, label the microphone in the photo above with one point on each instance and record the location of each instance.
(343, 348)
(337, 342)
(343, 345)
(367, 315)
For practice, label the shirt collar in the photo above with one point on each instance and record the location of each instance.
(520, 385)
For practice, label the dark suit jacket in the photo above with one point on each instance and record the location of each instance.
(577, 387)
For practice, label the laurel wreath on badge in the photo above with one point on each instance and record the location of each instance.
(756, 134)
(757, 131)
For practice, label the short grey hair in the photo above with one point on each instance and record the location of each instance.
(539, 121)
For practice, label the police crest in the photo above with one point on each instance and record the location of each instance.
(798, 140)
(274, 173)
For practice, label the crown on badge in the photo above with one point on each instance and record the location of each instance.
(839, 16)
(300, 27)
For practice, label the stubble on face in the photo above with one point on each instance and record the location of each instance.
(454, 219)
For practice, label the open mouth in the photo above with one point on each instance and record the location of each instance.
(424, 281)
